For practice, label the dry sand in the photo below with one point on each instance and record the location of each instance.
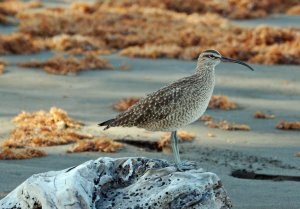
(88, 97)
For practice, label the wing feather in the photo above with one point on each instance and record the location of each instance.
(155, 106)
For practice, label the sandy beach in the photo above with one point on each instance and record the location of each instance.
(89, 96)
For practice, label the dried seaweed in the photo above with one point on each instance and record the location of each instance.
(221, 102)
(77, 44)
(2, 67)
(186, 136)
(18, 43)
(96, 145)
(69, 65)
(262, 115)
(138, 30)
(295, 10)
(4, 20)
(39, 129)
(18, 154)
(206, 118)
(153, 51)
(44, 129)
(9, 8)
(12, 7)
(56, 116)
(235, 9)
(182, 136)
(284, 125)
(124, 104)
(225, 125)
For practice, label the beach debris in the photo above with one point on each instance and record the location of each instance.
(77, 44)
(182, 135)
(19, 154)
(41, 128)
(142, 31)
(96, 145)
(295, 10)
(222, 124)
(142, 182)
(4, 20)
(69, 65)
(206, 117)
(297, 154)
(12, 7)
(18, 43)
(55, 117)
(186, 136)
(165, 141)
(2, 66)
(221, 102)
(284, 125)
(225, 125)
(153, 51)
(233, 9)
(262, 115)
(124, 104)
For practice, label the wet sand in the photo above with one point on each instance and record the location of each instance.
(88, 97)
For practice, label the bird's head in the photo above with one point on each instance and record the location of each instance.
(213, 57)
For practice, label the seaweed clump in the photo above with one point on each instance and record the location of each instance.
(96, 145)
(69, 65)
(136, 30)
(124, 104)
(228, 126)
(262, 115)
(2, 67)
(165, 141)
(41, 128)
(20, 154)
(234, 9)
(284, 125)
(221, 102)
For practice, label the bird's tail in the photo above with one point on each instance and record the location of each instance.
(106, 123)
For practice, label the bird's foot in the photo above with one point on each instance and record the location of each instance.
(186, 165)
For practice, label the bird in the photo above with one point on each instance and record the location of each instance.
(177, 104)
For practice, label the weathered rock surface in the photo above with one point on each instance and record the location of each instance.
(120, 183)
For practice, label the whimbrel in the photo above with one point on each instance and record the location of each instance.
(177, 104)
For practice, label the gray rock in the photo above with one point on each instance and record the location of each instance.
(120, 183)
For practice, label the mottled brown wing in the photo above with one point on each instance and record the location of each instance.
(154, 107)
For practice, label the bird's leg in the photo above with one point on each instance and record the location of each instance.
(174, 144)
(181, 166)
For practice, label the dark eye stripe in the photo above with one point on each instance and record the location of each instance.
(210, 56)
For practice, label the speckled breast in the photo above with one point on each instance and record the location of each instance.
(187, 111)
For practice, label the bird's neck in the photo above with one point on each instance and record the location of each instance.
(205, 69)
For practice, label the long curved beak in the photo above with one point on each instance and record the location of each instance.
(226, 59)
